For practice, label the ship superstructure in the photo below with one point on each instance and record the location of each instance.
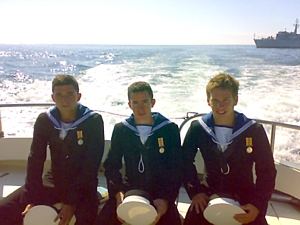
(283, 39)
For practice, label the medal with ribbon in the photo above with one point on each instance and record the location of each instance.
(79, 137)
(249, 148)
(161, 145)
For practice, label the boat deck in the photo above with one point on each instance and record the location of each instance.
(12, 176)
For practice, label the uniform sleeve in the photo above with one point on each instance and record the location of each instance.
(35, 164)
(190, 149)
(113, 162)
(264, 168)
(87, 179)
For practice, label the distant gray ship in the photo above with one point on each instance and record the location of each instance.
(283, 39)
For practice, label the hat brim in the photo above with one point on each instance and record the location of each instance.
(136, 210)
(40, 214)
(222, 210)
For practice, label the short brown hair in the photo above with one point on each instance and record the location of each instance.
(223, 81)
(65, 79)
(139, 86)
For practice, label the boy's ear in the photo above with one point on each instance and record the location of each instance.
(153, 102)
(79, 97)
(236, 100)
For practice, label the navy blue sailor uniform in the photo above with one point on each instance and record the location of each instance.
(75, 159)
(154, 167)
(230, 172)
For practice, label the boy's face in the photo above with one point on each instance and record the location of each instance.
(141, 104)
(222, 104)
(66, 98)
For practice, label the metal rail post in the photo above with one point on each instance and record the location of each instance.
(1, 131)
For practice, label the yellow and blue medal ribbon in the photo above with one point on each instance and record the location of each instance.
(249, 145)
(161, 145)
(79, 137)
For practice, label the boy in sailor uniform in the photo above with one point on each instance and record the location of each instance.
(230, 145)
(149, 144)
(75, 136)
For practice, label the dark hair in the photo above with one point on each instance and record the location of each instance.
(223, 81)
(139, 86)
(64, 79)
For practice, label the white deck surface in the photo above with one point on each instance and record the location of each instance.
(13, 176)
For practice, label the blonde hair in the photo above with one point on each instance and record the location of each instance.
(223, 81)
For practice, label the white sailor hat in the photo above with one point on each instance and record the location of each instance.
(40, 214)
(136, 208)
(220, 211)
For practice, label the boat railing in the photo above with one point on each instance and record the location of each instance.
(50, 104)
(10, 105)
(190, 116)
(45, 104)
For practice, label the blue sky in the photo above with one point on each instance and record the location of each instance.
(188, 22)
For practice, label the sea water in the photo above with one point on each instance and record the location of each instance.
(269, 81)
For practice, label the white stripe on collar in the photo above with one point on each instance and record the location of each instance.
(233, 135)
